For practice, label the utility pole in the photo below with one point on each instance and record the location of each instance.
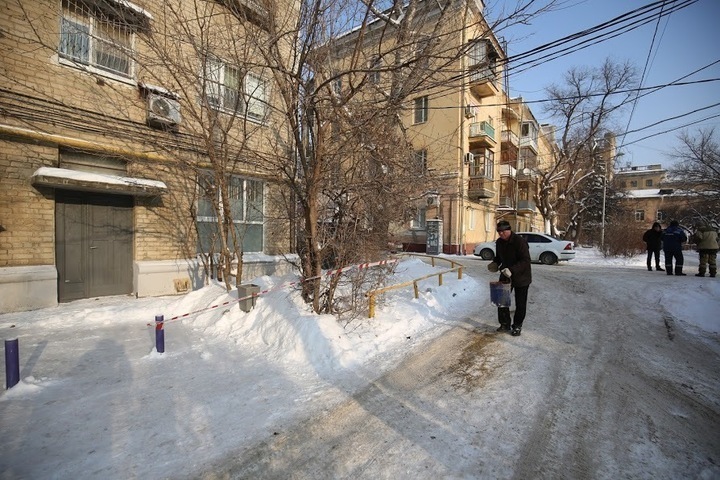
(602, 228)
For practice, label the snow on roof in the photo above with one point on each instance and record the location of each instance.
(135, 8)
(654, 192)
(159, 90)
(47, 175)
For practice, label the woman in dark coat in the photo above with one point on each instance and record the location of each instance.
(653, 240)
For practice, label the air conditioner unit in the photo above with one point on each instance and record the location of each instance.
(163, 111)
(432, 200)
(469, 158)
(469, 111)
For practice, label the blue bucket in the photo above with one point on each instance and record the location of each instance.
(500, 294)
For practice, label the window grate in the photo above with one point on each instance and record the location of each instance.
(97, 37)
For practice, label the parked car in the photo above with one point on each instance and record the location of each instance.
(543, 248)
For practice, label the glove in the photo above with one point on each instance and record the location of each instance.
(506, 272)
(493, 267)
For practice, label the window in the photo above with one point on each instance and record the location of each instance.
(256, 94)
(421, 110)
(489, 225)
(420, 161)
(374, 74)
(422, 52)
(648, 183)
(419, 223)
(660, 216)
(483, 163)
(246, 207)
(529, 129)
(471, 219)
(639, 215)
(227, 89)
(483, 56)
(101, 39)
(633, 183)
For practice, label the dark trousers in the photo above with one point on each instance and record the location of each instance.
(521, 296)
(657, 257)
(673, 254)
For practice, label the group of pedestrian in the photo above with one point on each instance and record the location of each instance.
(512, 261)
(671, 241)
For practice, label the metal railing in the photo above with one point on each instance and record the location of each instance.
(456, 267)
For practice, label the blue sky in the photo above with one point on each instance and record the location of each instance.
(685, 41)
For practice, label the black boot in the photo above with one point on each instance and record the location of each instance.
(678, 271)
(504, 319)
(668, 269)
(699, 274)
(659, 268)
(649, 268)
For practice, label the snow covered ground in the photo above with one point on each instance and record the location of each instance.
(96, 400)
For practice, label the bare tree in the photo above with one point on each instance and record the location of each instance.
(697, 171)
(583, 108)
(333, 80)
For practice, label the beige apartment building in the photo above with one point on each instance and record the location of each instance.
(481, 148)
(649, 194)
(109, 110)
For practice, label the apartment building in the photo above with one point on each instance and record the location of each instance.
(649, 193)
(526, 146)
(480, 149)
(110, 112)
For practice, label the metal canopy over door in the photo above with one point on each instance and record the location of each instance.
(94, 238)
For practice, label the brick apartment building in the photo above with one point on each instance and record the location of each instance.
(108, 112)
(649, 194)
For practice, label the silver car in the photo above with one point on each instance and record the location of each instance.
(543, 248)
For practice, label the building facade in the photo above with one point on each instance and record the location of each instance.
(111, 112)
(649, 193)
(480, 149)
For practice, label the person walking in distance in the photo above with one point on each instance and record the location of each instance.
(512, 260)
(673, 239)
(706, 239)
(653, 241)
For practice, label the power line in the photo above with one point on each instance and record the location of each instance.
(642, 80)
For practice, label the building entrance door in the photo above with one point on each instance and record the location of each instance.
(94, 239)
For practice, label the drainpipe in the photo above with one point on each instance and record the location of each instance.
(463, 135)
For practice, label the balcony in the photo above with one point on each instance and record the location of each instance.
(480, 187)
(527, 175)
(529, 142)
(505, 202)
(510, 137)
(507, 170)
(483, 134)
(483, 82)
(526, 206)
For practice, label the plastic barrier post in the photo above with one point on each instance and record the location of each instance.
(159, 334)
(12, 363)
